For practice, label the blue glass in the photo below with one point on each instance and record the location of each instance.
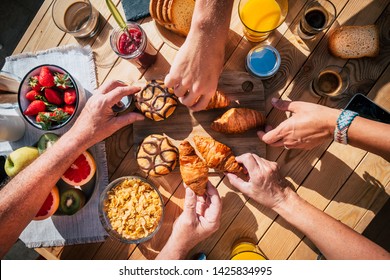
(263, 61)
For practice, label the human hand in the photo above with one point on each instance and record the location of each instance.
(308, 127)
(196, 69)
(264, 185)
(200, 217)
(97, 120)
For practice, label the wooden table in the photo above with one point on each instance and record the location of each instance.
(346, 183)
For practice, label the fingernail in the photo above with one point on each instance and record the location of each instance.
(122, 82)
(274, 100)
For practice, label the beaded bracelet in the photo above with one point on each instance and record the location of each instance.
(343, 122)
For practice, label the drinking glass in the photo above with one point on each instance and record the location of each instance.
(261, 17)
(76, 17)
(317, 16)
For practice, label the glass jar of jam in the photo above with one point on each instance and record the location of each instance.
(133, 45)
(263, 61)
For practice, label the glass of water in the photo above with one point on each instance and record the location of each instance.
(76, 17)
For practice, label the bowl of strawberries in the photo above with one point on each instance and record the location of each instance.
(48, 97)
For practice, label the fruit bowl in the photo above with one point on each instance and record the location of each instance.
(134, 222)
(48, 97)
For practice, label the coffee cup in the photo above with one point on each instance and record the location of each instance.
(331, 81)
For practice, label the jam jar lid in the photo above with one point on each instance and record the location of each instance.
(263, 61)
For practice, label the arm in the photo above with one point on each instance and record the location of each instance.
(311, 124)
(200, 218)
(198, 64)
(334, 239)
(23, 196)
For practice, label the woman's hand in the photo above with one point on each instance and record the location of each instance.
(264, 185)
(309, 126)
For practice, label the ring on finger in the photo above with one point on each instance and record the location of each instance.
(287, 148)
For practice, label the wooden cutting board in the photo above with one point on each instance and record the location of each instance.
(241, 88)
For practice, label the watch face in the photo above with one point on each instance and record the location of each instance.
(366, 108)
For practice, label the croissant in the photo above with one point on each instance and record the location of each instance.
(193, 169)
(238, 120)
(217, 155)
(219, 100)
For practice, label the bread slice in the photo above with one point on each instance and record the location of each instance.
(354, 41)
(159, 10)
(165, 11)
(182, 11)
(153, 10)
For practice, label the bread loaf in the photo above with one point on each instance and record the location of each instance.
(354, 41)
(175, 15)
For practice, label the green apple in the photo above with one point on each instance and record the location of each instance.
(19, 159)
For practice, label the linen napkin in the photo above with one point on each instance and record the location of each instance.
(135, 9)
(84, 226)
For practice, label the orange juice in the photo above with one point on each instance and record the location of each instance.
(246, 251)
(260, 17)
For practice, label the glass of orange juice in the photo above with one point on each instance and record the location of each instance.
(261, 17)
(246, 250)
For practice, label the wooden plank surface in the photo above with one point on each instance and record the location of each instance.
(184, 124)
(345, 182)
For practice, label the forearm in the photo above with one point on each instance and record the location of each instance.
(23, 196)
(334, 239)
(173, 250)
(371, 136)
(213, 17)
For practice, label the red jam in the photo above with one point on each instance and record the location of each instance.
(143, 53)
(128, 45)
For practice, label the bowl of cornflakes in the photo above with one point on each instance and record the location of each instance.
(131, 209)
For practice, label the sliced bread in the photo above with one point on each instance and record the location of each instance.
(182, 11)
(354, 41)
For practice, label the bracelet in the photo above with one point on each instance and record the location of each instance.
(343, 122)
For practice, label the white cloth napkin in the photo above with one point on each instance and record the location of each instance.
(84, 226)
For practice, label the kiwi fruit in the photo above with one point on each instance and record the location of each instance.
(46, 141)
(71, 201)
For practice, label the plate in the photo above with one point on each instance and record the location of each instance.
(172, 39)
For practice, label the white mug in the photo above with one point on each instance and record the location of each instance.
(12, 126)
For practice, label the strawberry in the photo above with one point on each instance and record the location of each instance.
(46, 119)
(46, 78)
(53, 96)
(70, 96)
(69, 109)
(31, 95)
(34, 83)
(62, 81)
(34, 108)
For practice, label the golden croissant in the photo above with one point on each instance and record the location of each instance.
(217, 155)
(219, 100)
(193, 169)
(238, 120)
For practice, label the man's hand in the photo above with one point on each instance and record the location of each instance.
(97, 121)
(200, 218)
(196, 69)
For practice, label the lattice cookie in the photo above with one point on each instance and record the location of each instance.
(156, 155)
(156, 101)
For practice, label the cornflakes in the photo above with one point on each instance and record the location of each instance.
(133, 208)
